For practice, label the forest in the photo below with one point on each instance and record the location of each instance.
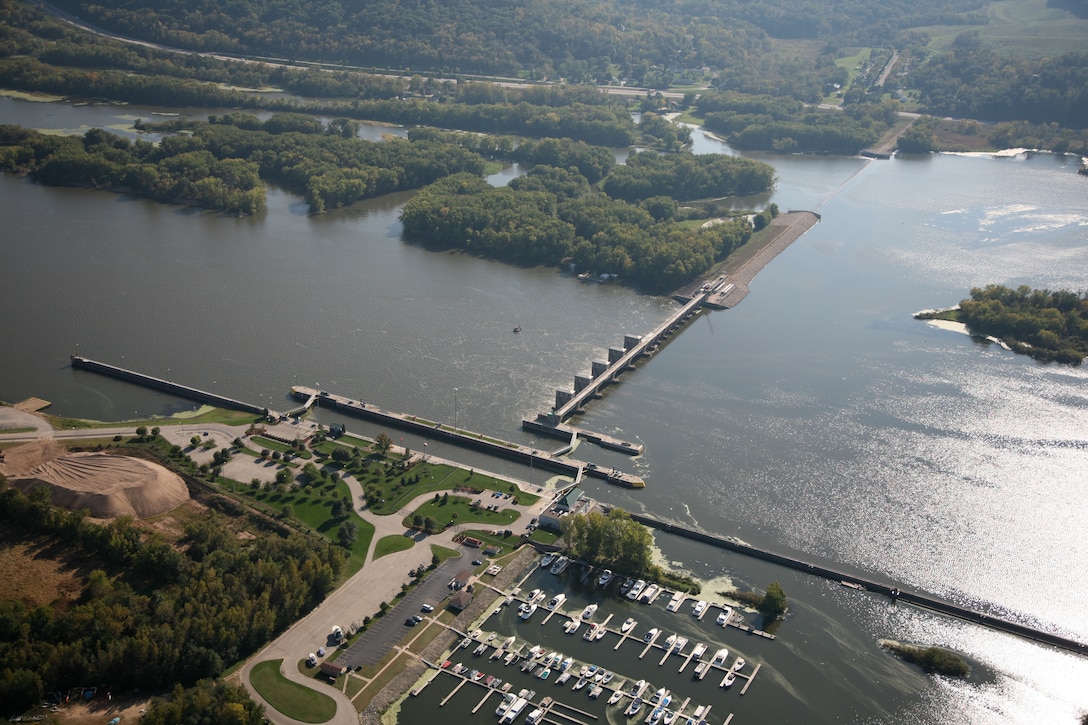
(552, 216)
(151, 614)
(1049, 326)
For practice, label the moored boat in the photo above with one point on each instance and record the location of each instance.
(628, 625)
(651, 634)
(595, 692)
(615, 697)
(698, 608)
(738, 665)
(701, 669)
(572, 626)
(700, 650)
(723, 618)
(730, 678)
(634, 707)
(720, 657)
(606, 577)
(649, 593)
(589, 611)
(557, 601)
(582, 682)
(560, 565)
(529, 611)
(547, 561)
(590, 632)
(636, 589)
(675, 602)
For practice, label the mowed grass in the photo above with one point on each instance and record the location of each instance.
(391, 545)
(290, 698)
(461, 511)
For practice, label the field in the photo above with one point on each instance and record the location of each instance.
(1023, 28)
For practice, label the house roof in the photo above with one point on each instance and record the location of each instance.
(463, 576)
(460, 600)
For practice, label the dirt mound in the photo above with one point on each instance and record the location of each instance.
(108, 486)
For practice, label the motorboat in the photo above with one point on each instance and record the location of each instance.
(651, 634)
(529, 611)
(628, 625)
(566, 664)
(508, 642)
(545, 673)
(557, 601)
(700, 650)
(562, 679)
(649, 593)
(723, 618)
(720, 657)
(560, 565)
(504, 704)
(607, 677)
(480, 649)
(730, 678)
(738, 665)
(547, 561)
(657, 696)
(606, 577)
(636, 589)
(701, 669)
(595, 692)
(510, 657)
(466, 642)
(616, 695)
(534, 717)
(535, 595)
(600, 632)
(582, 682)
(626, 586)
(572, 626)
(599, 677)
(514, 710)
(675, 602)
(589, 611)
(679, 644)
(634, 707)
(670, 717)
(670, 641)
(655, 716)
(698, 608)
(637, 688)
(590, 631)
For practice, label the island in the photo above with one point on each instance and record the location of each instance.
(1048, 326)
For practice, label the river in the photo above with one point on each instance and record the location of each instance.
(815, 417)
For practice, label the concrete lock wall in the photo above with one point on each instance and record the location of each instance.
(598, 368)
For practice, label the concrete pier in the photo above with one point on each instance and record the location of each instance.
(468, 439)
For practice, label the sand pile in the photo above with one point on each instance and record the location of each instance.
(108, 486)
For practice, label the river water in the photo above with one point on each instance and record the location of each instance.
(816, 417)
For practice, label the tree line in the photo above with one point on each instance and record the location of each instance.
(151, 614)
(1046, 325)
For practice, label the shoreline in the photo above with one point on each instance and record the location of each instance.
(791, 225)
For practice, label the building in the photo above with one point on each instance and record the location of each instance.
(571, 502)
(333, 669)
(460, 580)
(459, 601)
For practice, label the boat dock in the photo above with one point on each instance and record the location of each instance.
(468, 439)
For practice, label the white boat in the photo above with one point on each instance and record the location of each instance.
(634, 707)
(670, 717)
(514, 710)
(560, 565)
(508, 642)
(595, 692)
(658, 696)
(607, 677)
(534, 717)
(590, 631)
(720, 657)
(466, 642)
(679, 644)
(589, 611)
(566, 664)
(535, 595)
(605, 578)
(557, 601)
(628, 625)
(510, 656)
(637, 688)
(738, 665)
(730, 678)
(723, 618)
(572, 626)
(562, 679)
(545, 673)
(675, 602)
(504, 704)
(480, 649)
(582, 682)
(529, 611)
(636, 589)
(649, 593)
(626, 586)
(651, 634)
(547, 561)
(616, 695)
(601, 631)
(670, 641)
(655, 716)
(698, 608)
(700, 650)
(701, 669)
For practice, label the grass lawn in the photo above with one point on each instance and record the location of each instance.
(394, 488)
(505, 544)
(281, 447)
(442, 553)
(460, 510)
(204, 414)
(391, 545)
(543, 537)
(291, 698)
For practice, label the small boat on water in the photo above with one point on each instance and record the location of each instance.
(582, 682)
(720, 657)
(675, 602)
(547, 561)
(510, 657)
(508, 642)
(572, 626)
(730, 678)
(670, 717)
(658, 696)
(517, 329)
(670, 641)
(698, 608)
(560, 565)
(535, 596)
(480, 649)
(562, 679)
(595, 692)
(700, 650)
(616, 695)
(534, 717)
(607, 677)
(637, 688)
(723, 618)
(626, 586)
(589, 611)
(545, 673)
(738, 665)
(634, 707)
(651, 634)
(488, 680)
(601, 630)
(628, 625)
(599, 677)
(566, 664)
(649, 593)
(655, 716)
(701, 669)
(679, 644)
(605, 578)
(466, 642)
(636, 589)
(557, 601)
(590, 631)
(527, 611)
(504, 704)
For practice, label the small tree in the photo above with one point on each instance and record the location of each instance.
(774, 602)
(348, 533)
(141, 431)
(195, 440)
(383, 442)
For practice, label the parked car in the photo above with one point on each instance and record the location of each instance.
(410, 622)
(416, 618)
(427, 608)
